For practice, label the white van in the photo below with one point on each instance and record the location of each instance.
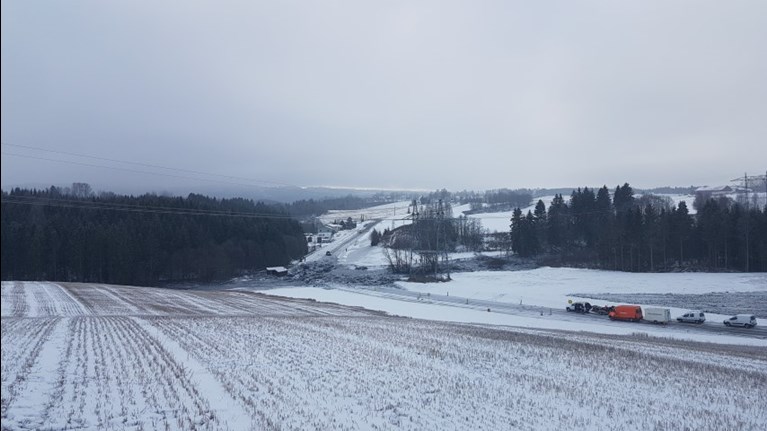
(692, 317)
(745, 320)
(657, 315)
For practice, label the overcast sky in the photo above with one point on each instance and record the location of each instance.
(394, 94)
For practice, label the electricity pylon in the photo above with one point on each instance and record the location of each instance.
(745, 182)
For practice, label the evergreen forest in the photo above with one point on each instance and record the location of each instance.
(54, 234)
(627, 233)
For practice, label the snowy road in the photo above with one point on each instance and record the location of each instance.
(711, 327)
(341, 241)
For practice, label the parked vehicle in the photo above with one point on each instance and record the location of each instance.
(657, 315)
(632, 313)
(579, 307)
(327, 253)
(744, 320)
(692, 317)
(602, 310)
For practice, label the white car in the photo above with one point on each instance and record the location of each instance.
(692, 317)
(744, 320)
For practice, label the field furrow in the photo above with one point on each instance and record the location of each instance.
(113, 374)
(157, 359)
(22, 342)
(382, 372)
(32, 299)
(13, 299)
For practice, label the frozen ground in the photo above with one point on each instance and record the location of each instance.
(390, 212)
(98, 357)
(519, 295)
(457, 309)
(500, 221)
(536, 298)
(551, 287)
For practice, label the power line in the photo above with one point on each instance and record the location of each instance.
(150, 210)
(72, 162)
(745, 189)
(142, 210)
(70, 203)
(148, 165)
(75, 202)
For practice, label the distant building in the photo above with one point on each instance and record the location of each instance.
(325, 233)
(708, 192)
(279, 271)
(714, 189)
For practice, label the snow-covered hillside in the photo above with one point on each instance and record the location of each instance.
(98, 357)
(392, 211)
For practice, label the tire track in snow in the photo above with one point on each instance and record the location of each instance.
(20, 361)
(71, 307)
(229, 411)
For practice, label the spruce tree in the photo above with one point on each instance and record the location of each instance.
(604, 226)
(516, 229)
(557, 220)
(540, 223)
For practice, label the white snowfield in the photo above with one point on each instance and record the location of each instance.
(393, 211)
(96, 357)
(552, 287)
(501, 221)
(541, 288)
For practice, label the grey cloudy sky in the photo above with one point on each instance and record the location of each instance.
(397, 94)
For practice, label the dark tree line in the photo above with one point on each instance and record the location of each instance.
(493, 200)
(47, 235)
(347, 224)
(507, 197)
(621, 232)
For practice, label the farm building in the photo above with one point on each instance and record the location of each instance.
(279, 271)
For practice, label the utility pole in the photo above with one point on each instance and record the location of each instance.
(438, 254)
(445, 255)
(413, 210)
(441, 248)
(744, 189)
(748, 216)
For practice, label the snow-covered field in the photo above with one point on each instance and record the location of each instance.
(542, 294)
(111, 357)
(532, 317)
(499, 221)
(395, 211)
(552, 287)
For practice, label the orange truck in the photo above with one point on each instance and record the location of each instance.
(632, 313)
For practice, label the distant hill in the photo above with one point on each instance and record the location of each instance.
(276, 194)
